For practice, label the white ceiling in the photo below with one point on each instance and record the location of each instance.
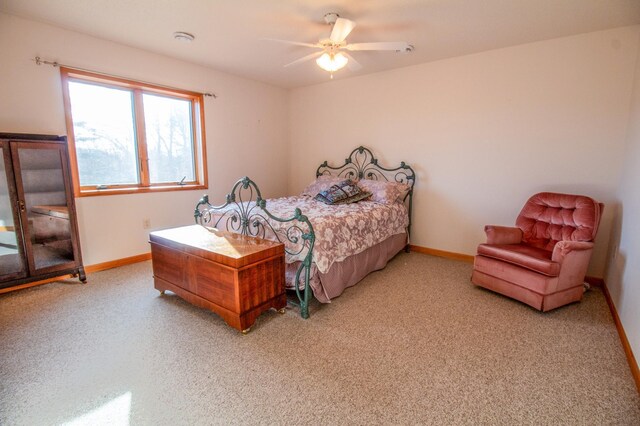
(229, 32)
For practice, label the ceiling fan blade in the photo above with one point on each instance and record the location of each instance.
(297, 43)
(305, 58)
(353, 65)
(382, 45)
(341, 30)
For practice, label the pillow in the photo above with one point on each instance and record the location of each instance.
(384, 192)
(343, 193)
(322, 183)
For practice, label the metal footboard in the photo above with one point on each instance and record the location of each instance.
(245, 212)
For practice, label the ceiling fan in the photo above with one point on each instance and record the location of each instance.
(332, 55)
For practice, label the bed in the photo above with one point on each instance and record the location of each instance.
(328, 247)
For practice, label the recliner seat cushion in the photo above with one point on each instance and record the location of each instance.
(533, 258)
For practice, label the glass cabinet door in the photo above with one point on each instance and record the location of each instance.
(12, 259)
(44, 199)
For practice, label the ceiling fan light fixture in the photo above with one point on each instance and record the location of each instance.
(332, 61)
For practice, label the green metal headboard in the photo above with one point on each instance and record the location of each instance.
(361, 164)
(245, 212)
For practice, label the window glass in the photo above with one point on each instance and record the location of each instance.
(129, 136)
(105, 142)
(11, 259)
(168, 127)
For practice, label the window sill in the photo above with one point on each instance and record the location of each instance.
(137, 190)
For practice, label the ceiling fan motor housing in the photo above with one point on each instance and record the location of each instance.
(331, 18)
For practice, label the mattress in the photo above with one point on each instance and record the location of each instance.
(342, 232)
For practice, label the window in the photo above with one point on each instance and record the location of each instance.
(127, 136)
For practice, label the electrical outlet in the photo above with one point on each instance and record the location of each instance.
(146, 223)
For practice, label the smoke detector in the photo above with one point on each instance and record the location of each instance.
(182, 36)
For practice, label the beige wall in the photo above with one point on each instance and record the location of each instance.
(246, 127)
(623, 272)
(483, 131)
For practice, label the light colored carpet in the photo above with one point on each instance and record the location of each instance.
(414, 343)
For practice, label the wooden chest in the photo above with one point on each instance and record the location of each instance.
(236, 276)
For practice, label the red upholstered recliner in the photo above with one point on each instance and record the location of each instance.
(543, 260)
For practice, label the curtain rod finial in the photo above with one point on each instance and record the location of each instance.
(40, 61)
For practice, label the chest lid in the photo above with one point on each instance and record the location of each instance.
(227, 248)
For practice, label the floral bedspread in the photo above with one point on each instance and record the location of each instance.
(341, 230)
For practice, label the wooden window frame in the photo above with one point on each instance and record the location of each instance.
(138, 89)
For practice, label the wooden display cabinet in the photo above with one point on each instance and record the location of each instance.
(38, 225)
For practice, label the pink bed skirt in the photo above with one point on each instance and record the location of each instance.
(349, 271)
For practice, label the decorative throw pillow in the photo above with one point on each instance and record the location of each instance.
(343, 193)
(384, 192)
(321, 183)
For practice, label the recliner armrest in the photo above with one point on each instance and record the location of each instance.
(563, 248)
(503, 234)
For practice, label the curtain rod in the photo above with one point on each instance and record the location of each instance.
(55, 64)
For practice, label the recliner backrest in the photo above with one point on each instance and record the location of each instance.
(549, 217)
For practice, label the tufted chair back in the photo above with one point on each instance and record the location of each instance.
(548, 217)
